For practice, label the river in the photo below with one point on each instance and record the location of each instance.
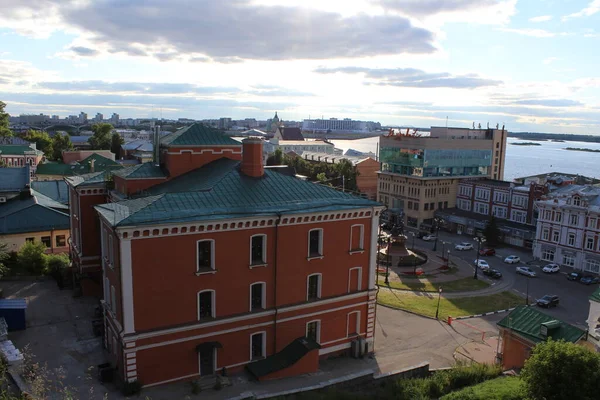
(523, 160)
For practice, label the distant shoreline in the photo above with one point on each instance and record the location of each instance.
(526, 144)
(582, 149)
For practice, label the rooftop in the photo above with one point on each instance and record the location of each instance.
(197, 135)
(17, 150)
(331, 158)
(14, 179)
(56, 190)
(490, 182)
(291, 133)
(527, 322)
(141, 171)
(596, 296)
(101, 163)
(34, 214)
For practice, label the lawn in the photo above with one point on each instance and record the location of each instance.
(508, 388)
(459, 285)
(426, 303)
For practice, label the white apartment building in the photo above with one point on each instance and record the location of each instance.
(568, 228)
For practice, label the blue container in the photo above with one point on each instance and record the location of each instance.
(13, 311)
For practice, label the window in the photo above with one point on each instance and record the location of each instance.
(481, 208)
(315, 243)
(313, 331)
(465, 191)
(573, 219)
(592, 223)
(356, 237)
(482, 194)
(499, 212)
(571, 239)
(113, 300)
(110, 249)
(576, 201)
(258, 250)
(353, 322)
(29, 240)
(589, 243)
(547, 214)
(548, 255)
(47, 240)
(426, 206)
(568, 260)
(518, 216)
(205, 254)
(545, 234)
(519, 201)
(314, 287)
(61, 241)
(555, 236)
(432, 206)
(258, 346)
(558, 217)
(500, 197)
(463, 204)
(206, 304)
(409, 206)
(592, 266)
(416, 206)
(257, 296)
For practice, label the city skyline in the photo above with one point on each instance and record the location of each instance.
(400, 62)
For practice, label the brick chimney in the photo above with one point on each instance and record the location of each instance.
(252, 157)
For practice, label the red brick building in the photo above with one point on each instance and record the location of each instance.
(212, 262)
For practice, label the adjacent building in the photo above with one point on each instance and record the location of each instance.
(420, 174)
(568, 228)
(211, 262)
(94, 162)
(339, 125)
(19, 155)
(13, 181)
(593, 320)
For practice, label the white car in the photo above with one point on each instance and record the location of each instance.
(526, 271)
(428, 238)
(512, 260)
(482, 264)
(464, 246)
(551, 268)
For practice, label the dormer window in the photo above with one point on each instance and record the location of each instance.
(576, 200)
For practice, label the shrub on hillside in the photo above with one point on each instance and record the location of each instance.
(32, 258)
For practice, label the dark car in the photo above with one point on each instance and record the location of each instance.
(549, 300)
(574, 276)
(487, 252)
(492, 273)
(589, 279)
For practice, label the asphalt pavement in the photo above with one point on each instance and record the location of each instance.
(574, 302)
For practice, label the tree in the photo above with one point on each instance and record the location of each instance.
(346, 169)
(276, 158)
(32, 257)
(101, 139)
(561, 370)
(4, 131)
(3, 256)
(491, 232)
(115, 144)
(41, 139)
(60, 143)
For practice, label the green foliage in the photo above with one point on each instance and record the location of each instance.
(32, 258)
(4, 131)
(57, 262)
(276, 158)
(503, 388)
(101, 139)
(3, 257)
(60, 143)
(41, 139)
(491, 232)
(115, 144)
(561, 370)
(341, 174)
(132, 388)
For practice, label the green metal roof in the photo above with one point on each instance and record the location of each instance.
(14, 179)
(16, 150)
(527, 321)
(48, 202)
(198, 135)
(89, 179)
(30, 215)
(221, 190)
(101, 163)
(56, 190)
(140, 171)
(596, 296)
(291, 354)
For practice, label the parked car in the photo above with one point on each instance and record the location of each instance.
(492, 273)
(512, 260)
(551, 269)
(526, 271)
(574, 276)
(421, 234)
(589, 279)
(428, 238)
(481, 264)
(463, 246)
(549, 300)
(487, 252)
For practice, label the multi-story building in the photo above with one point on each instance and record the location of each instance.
(477, 200)
(114, 119)
(420, 174)
(211, 262)
(336, 125)
(568, 228)
(19, 155)
(99, 117)
(83, 118)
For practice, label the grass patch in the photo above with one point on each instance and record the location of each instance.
(504, 388)
(425, 304)
(459, 285)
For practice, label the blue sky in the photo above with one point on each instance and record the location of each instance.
(531, 65)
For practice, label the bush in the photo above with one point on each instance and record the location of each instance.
(32, 258)
(503, 388)
(57, 263)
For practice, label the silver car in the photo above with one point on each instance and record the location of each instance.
(526, 271)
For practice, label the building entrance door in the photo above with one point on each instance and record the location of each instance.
(207, 361)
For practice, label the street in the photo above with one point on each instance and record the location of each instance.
(574, 303)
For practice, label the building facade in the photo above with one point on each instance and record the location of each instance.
(16, 156)
(568, 228)
(420, 174)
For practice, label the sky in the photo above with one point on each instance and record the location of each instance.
(531, 65)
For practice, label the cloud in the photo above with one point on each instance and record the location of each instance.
(413, 78)
(540, 33)
(592, 8)
(83, 51)
(550, 60)
(549, 102)
(541, 18)
(421, 8)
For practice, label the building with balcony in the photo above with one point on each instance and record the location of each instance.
(420, 174)
(568, 228)
(211, 262)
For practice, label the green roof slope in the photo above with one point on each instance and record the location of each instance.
(198, 135)
(141, 171)
(14, 179)
(101, 163)
(56, 190)
(220, 190)
(596, 296)
(527, 321)
(22, 216)
(16, 150)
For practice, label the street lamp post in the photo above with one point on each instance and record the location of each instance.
(436, 225)
(443, 243)
(437, 311)
(479, 240)
(387, 266)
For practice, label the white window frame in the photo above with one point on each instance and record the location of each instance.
(357, 323)
(359, 278)
(264, 251)
(555, 236)
(318, 321)
(263, 297)
(592, 223)
(482, 194)
(522, 216)
(264, 345)
(546, 253)
(481, 207)
(319, 285)
(500, 197)
(320, 255)
(587, 266)
(361, 243)
(568, 260)
(576, 201)
(589, 240)
(545, 234)
(213, 302)
(573, 220)
(499, 212)
(113, 300)
(558, 216)
(212, 257)
(570, 236)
